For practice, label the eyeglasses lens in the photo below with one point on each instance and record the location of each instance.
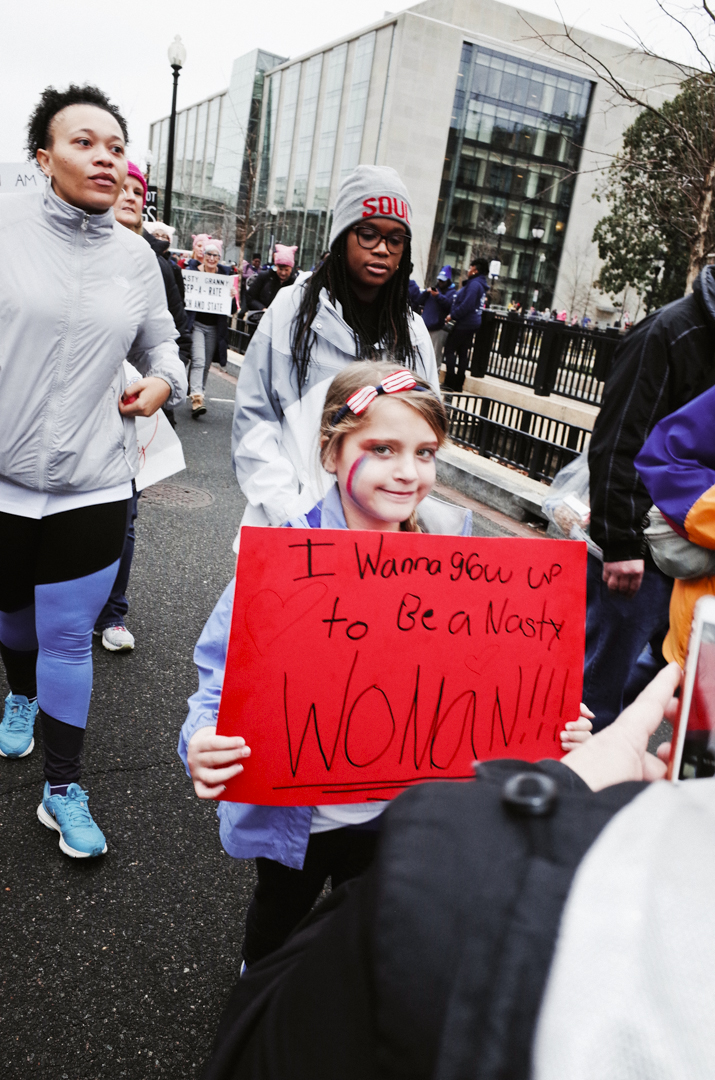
(369, 239)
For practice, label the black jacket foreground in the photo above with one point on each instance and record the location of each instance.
(433, 964)
(263, 288)
(659, 366)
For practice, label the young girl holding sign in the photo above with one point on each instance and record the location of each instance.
(381, 428)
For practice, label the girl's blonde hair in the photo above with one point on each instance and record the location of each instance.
(362, 373)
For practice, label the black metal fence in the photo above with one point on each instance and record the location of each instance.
(547, 356)
(239, 338)
(534, 444)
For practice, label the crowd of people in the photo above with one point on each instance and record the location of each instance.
(464, 923)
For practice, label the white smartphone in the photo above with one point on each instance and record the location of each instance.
(692, 752)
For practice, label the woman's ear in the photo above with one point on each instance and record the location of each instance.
(328, 455)
(43, 160)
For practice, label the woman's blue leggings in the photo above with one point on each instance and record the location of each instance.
(59, 626)
(58, 573)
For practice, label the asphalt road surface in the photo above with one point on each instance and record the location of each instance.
(119, 966)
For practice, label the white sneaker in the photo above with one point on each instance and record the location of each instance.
(117, 639)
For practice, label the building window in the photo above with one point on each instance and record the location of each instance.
(329, 124)
(306, 131)
(514, 142)
(285, 133)
(357, 104)
(211, 144)
(180, 149)
(269, 134)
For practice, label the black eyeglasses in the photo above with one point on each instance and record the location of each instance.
(370, 238)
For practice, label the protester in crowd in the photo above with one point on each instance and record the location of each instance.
(263, 288)
(436, 303)
(414, 295)
(248, 272)
(433, 963)
(356, 299)
(67, 445)
(128, 212)
(297, 848)
(677, 466)
(198, 243)
(164, 234)
(110, 625)
(465, 317)
(209, 332)
(660, 365)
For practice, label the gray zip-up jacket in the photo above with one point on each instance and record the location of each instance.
(275, 429)
(78, 294)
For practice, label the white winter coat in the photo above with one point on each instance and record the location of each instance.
(275, 429)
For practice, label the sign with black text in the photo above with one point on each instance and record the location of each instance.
(207, 292)
(360, 663)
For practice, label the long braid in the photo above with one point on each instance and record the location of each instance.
(394, 323)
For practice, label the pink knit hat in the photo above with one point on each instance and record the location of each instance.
(135, 171)
(213, 245)
(284, 256)
(202, 236)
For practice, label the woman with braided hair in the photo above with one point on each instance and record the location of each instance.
(353, 307)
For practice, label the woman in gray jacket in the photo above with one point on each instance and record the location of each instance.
(82, 294)
(353, 307)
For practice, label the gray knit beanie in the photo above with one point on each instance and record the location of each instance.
(370, 191)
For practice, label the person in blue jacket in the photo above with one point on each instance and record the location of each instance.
(466, 317)
(436, 305)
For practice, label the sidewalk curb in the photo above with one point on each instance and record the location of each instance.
(488, 482)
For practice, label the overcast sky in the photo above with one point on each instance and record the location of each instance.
(122, 49)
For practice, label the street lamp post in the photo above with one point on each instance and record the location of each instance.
(495, 264)
(537, 235)
(177, 59)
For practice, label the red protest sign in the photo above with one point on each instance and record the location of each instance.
(362, 662)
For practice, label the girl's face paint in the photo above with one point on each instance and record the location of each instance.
(354, 472)
(386, 466)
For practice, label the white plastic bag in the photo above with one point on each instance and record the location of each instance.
(568, 503)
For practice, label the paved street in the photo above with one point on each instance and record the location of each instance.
(118, 967)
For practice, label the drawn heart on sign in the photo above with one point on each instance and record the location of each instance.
(480, 664)
(268, 615)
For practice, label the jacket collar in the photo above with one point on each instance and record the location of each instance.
(65, 219)
(704, 290)
(332, 515)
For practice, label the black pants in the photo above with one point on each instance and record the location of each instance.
(456, 357)
(284, 896)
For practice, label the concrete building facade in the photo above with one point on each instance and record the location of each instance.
(483, 120)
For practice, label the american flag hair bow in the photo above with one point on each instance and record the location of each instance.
(358, 402)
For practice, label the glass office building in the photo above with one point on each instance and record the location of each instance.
(216, 154)
(513, 150)
(483, 125)
(316, 103)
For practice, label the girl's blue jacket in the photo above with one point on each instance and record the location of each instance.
(248, 832)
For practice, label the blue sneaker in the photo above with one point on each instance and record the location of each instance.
(80, 836)
(16, 738)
